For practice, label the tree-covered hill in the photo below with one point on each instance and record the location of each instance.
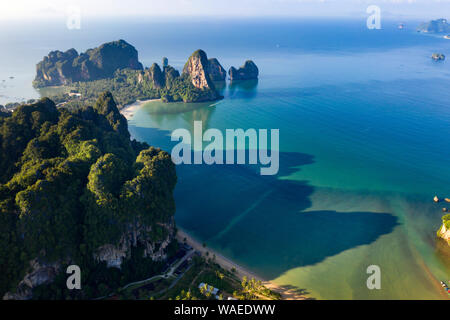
(75, 190)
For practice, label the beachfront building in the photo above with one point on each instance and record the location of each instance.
(213, 291)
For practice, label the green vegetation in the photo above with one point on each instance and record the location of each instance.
(446, 221)
(71, 181)
(123, 86)
(128, 86)
(210, 273)
(252, 289)
(114, 67)
(181, 89)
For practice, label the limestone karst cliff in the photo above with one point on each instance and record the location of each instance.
(62, 68)
(196, 68)
(216, 71)
(196, 72)
(114, 66)
(155, 76)
(248, 71)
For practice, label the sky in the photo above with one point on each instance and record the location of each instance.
(54, 9)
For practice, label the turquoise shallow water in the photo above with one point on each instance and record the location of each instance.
(364, 148)
(364, 138)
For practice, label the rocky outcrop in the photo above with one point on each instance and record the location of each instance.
(196, 68)
(62, 68)
(40, 273)
(114, 255)
(170, 76)
(44, 273)
(444, 233)
(248, 71)
(438, 57)
(165, 62)
(155, 77)
(434, 26)
(444, 230)
(215, 70)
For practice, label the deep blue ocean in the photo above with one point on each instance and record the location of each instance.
(364, 120)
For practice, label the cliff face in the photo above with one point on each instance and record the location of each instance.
(194, 84)
(62, 68)
(170, 76)
(196, 68)
(248, 71)
(40, 273)
(215, 70)
(114, 255)
(156, 76)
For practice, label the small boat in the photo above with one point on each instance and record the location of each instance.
(401, 26)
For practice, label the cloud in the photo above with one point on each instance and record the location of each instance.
(19, 9)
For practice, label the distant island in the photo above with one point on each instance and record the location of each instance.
(248, 71)
(438, 56)
(434, 26)
(63, 68)
(114, 66)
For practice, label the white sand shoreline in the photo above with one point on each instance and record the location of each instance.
(286, 293)
(129, 110)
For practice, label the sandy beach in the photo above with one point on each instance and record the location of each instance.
(286, 293)
(129, 110)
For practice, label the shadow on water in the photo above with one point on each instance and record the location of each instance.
(246, 89)
(178, 110)
(299, 291)
(159, 108)
(220, 87)
(260, 221)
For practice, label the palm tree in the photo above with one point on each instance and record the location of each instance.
(244, 282)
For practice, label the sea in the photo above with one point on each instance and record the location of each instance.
(364, 132)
